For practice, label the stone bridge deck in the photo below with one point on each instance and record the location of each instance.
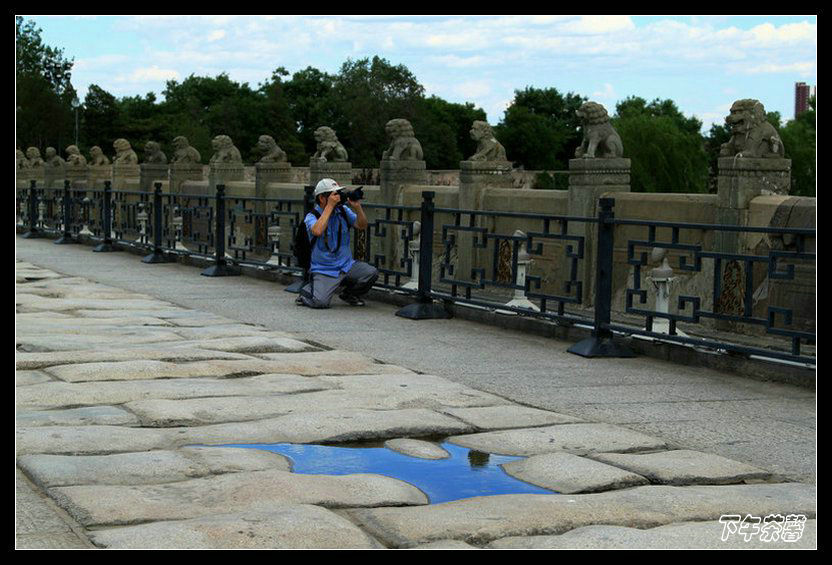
(124, 368)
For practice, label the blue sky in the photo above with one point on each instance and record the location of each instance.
(703, 63)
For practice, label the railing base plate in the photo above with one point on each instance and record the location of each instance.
(105, 248)
(64, 240)
(600, 347)
(220, 271)
(155, 258)
(424, 311)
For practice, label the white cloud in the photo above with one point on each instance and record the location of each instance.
(607, 94)
(216, 35)
(148, 74)
(473, 89)
(803, 69)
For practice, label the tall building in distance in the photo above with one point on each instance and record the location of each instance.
(802, 93)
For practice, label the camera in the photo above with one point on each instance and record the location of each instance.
(354, 195)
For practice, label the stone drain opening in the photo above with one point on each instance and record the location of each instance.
(465, 474)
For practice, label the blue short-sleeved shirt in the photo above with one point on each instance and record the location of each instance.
(334, 260)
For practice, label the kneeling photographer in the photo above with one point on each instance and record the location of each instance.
(332, 268)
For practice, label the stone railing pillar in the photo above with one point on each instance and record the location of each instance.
(589, 179)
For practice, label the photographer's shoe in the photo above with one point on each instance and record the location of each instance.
(350, 299)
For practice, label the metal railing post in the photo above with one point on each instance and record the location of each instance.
(601, 343)
(220, 268)
(158, 255)
(106, 221)
(424, 308)
(66, 237)
(32, 203)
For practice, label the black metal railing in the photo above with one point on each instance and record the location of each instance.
(569, 270)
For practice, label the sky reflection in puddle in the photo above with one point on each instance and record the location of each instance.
(465, 474)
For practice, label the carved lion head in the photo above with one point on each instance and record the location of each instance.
(591, 113)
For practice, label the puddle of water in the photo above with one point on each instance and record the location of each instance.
(465, 474)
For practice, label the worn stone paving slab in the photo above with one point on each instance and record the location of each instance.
(38, 524)
(386, 392)
(27, 378)
(310, 364)
(685, 535)
(89, 440)
(417, 448)
(311, 426)
(508, 416)
(56, 394)
(173, 315)
(116, 339)
(71, 325)
(685, 467)
(29, 361)
(264, 343)
(89, 415)
(287, 526)
(258, 491)
(81, 304)
(147, 467)
(484, 519)
(314, 426)
(570, 474)
(579, 439)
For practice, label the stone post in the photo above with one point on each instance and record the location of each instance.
(179, 173)
(475, 178)
(394, 175)
(97, 175)
(589, 179)
(151, 173)
(54, 175)
(339, 171)
(77, 175)
(740, 180)
(266, 173)
(124, 172)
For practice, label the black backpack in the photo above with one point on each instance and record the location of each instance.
(303, 246)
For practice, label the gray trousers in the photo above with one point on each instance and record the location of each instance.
(318, 292)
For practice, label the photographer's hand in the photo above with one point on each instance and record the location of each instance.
(361, 218)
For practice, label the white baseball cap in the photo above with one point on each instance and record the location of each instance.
(326, 185)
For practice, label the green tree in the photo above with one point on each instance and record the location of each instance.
(800, 141)
(44, 91)
(540, 129)
(444, 130)
(666, 148)
(367, 94)
(100, 119)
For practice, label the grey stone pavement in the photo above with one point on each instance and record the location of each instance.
(122, 367)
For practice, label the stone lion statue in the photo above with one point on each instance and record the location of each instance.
(329, 148)
(403, 143)
(124, 153)
(74, 157)
(33, 155)
(272, 153)
(751, 134)
(183, 152)
(53, 159)
(488, 148)
(225, 151)
(20, 159)
(153, 153)
(600, 138)
(97, 157)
